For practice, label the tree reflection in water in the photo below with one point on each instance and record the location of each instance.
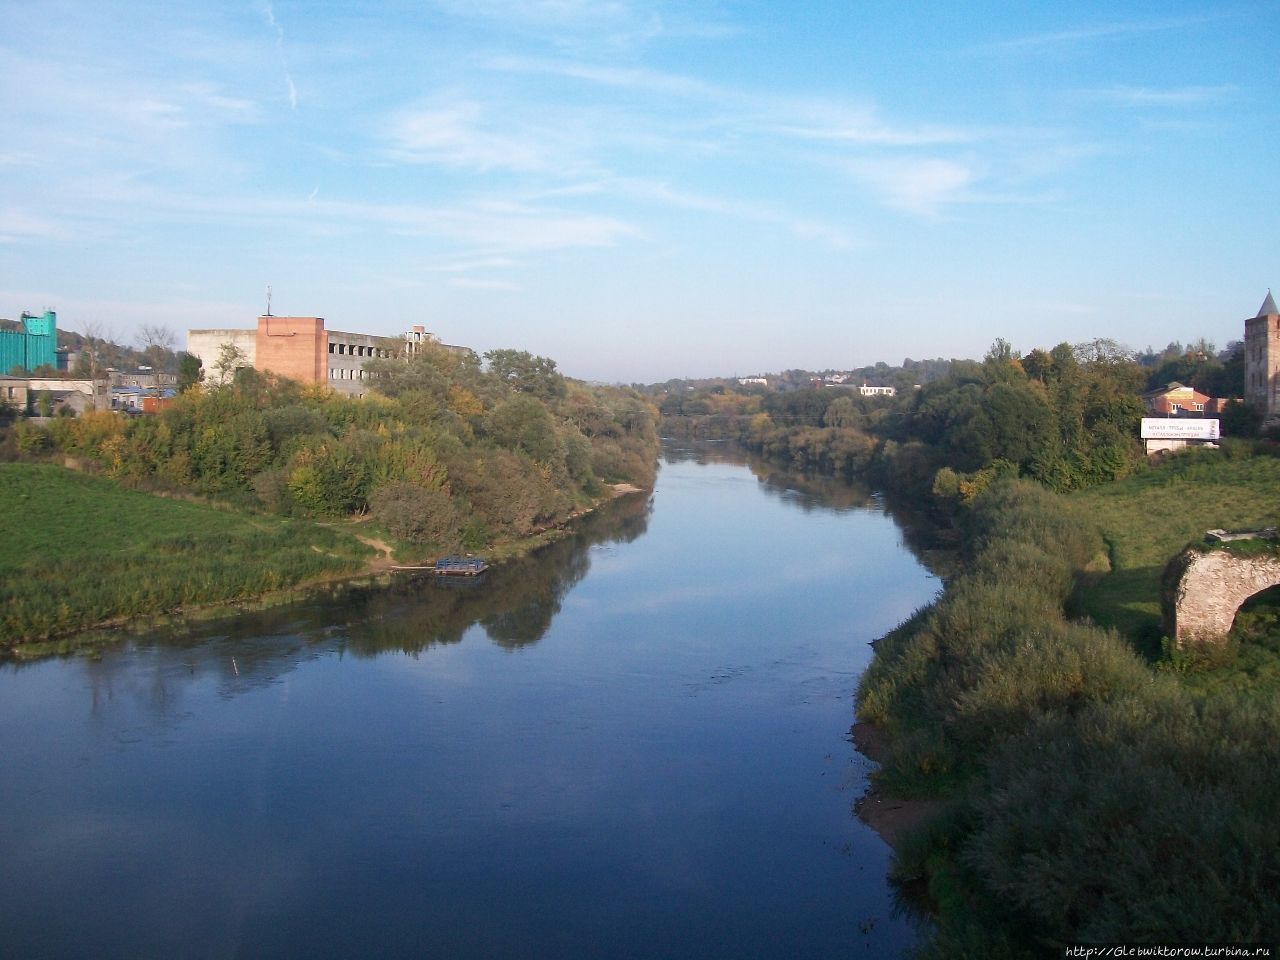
(515, 603)
(932, 545)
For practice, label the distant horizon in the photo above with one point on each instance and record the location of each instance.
(179, 347)
(641, 189)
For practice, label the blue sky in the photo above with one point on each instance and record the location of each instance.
(643, 190)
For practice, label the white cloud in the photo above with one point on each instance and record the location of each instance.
(18, 225)
(269, 15)
(458, 133)
(1077, 36)
(921, 186)
(664, 194)
(628, 78)
(1170, 97)
(537, 11)
(858, 125)
(218, 105)
(475, 283)
(158, 113)
(469, 264)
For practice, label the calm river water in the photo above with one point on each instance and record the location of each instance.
(632, 745)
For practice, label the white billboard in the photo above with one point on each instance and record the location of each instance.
(1162, 428)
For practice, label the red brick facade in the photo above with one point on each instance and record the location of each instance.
(294, 347)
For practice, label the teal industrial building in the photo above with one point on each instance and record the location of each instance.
(33, 345)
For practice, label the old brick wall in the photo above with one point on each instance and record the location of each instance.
(1204, 589)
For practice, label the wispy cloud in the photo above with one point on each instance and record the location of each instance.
(476, 283)
(807, 119)
(1080, 36)
(18, 225)
(269, 15)
(921, 186)
(458, 132)
(728, 123)
(592, 25)
(538, 11)
(863, 127)
(1169, 97)
(627, 78)
(223, 108)
(489, 228)
(471, 264)
(735, 208)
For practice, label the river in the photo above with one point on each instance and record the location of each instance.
(631, 745)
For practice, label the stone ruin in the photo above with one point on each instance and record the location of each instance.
(1205, 585)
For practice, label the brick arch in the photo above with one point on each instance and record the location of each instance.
(1203, 589)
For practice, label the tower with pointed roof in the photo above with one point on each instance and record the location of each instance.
(1262, 359)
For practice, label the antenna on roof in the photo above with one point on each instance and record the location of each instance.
(268, 299)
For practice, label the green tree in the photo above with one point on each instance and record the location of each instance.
(417, 514)
(842, 412)
(525, 373)
(189, 372)
(230, 359)
(522, 423)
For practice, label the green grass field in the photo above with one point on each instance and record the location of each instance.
(1148, 519)
(79, 550)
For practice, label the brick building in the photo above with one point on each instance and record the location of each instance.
(299, 348)
(1262, 359)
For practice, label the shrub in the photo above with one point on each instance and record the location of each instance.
(417, 514)
(1148, 817)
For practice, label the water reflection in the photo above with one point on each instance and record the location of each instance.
(931, 543)
(808, 491)
(648, 760)
(514, 603)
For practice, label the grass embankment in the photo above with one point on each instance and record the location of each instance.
(79, 550)
(1092, 797)
(1147, 519)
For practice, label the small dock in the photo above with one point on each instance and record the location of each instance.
(460, 567)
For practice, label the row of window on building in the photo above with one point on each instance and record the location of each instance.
(359, 350)
(343, 373)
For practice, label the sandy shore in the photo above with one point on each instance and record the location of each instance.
(887, 816)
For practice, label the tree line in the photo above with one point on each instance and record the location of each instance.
(449, 452)
(1090, 798)
(1067, 417)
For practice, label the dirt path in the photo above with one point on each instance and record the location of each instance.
(384, 562)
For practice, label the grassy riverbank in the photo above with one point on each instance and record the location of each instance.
(79, 550)
(1091, 795)
(1146, 520)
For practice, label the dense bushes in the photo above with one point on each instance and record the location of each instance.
(448, 453)
(418, 514)
(1147, 817)
(1093, 798)
(1066, 417)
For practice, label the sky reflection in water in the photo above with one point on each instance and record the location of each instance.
(631, 745)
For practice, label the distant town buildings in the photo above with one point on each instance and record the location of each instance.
(748, 381)
(1262, 359)
(1177, 399)
(26, 395)
(32, 342)
(302, 349)
(869, 391)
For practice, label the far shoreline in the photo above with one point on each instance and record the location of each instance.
(378, 571)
